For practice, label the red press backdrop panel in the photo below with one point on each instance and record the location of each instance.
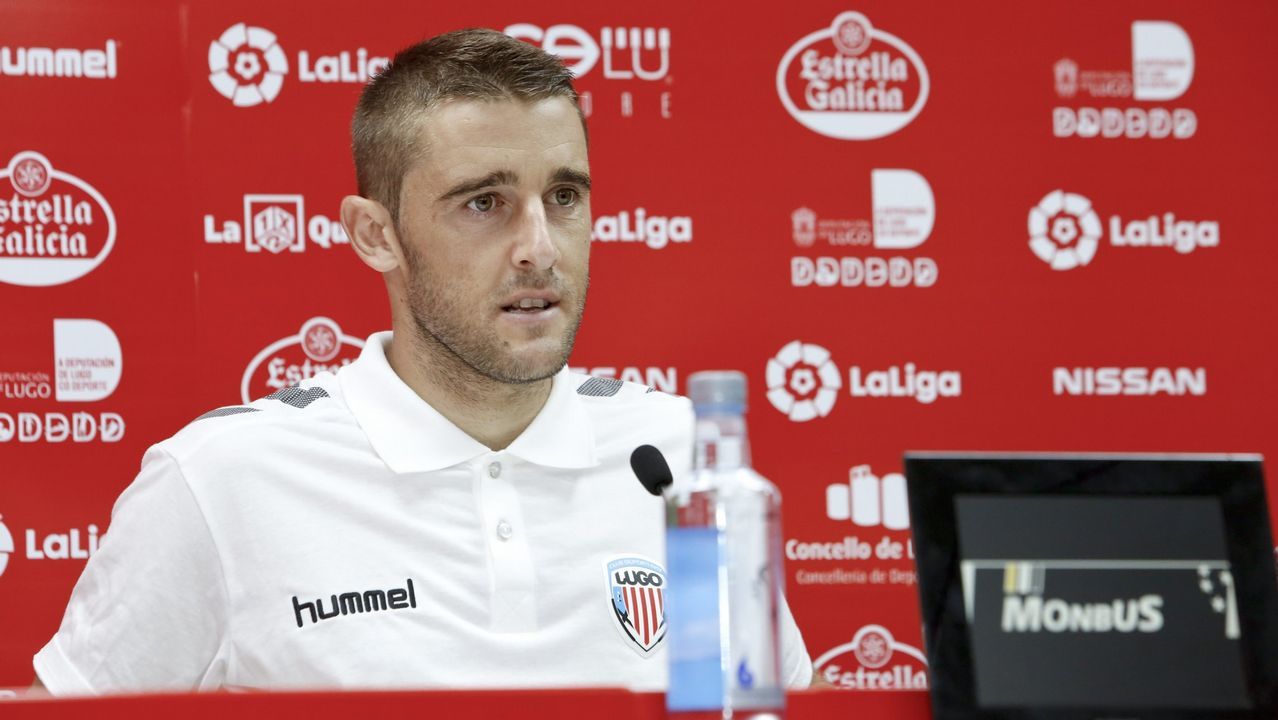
(914, 225)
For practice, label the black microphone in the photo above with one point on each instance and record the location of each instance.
(651, 468)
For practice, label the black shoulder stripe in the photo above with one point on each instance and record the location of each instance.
(223, 412)
(298, 397)
(600, 387)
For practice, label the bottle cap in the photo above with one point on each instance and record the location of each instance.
(723, 390)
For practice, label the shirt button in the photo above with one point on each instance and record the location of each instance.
(494, 469)
(504, 530)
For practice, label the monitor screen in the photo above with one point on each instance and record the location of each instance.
(1124, 602)
(1071, 587)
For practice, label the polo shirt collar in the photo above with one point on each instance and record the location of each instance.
(562, 435)
(411, 436)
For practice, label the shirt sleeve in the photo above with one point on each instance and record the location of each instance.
(149, 611)
(796, 664)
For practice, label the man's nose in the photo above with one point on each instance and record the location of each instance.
(534, 248)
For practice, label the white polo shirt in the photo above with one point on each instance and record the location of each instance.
(344, 534)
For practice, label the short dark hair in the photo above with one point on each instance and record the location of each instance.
(473, 64)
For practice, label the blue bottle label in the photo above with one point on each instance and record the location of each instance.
(692, 617)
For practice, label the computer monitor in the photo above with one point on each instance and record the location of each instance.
(1095, 586)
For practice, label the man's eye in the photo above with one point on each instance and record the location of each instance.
(565, 196)
(483, 203)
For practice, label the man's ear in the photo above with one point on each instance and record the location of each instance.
(368, 225)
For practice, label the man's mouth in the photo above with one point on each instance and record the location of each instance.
(530, 305)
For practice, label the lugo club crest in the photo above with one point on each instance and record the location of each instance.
(637, 600)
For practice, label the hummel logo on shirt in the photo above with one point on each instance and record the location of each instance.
(351, 603)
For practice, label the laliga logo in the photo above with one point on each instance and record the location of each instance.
(51, 229)
(803, 381)
(319, 343)
(872, 648)
(851, 81)
(655, 231)
(1064, 230)
(247, 65)
(6, 546)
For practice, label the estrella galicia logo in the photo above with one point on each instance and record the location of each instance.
(636, 598)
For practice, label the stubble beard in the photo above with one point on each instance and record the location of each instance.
(466, 352)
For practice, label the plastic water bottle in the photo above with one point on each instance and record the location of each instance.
(723, 554)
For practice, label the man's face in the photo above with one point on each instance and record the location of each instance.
(495, 225)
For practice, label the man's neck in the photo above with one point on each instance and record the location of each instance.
(491, 411)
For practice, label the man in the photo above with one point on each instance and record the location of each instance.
(445, 511)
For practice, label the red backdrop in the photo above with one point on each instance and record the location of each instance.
(914, 225)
